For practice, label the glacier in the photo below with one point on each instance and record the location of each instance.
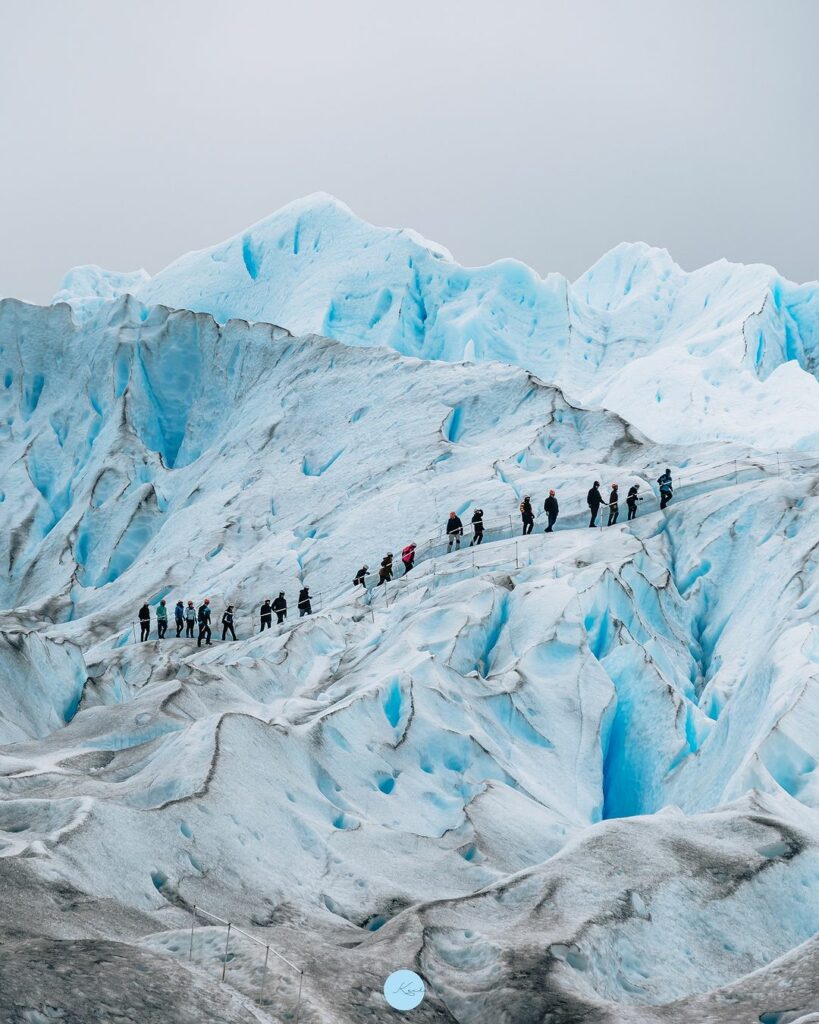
(563, 777)
(742, 341)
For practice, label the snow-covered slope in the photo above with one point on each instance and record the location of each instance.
(728, 351)
(565, 777)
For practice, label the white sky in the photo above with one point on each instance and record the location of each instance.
(548, 130)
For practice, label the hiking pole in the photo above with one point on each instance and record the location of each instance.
(133, 627)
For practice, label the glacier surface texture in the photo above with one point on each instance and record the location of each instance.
(563, 777)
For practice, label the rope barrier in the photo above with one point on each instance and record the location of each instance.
(232, 928)
(503, 528)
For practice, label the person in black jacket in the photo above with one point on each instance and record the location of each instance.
(179, 618)
(477, 527)
(666, 488)
(385, 569)
(144, 622)
(227, 623)
(631, 500)
(614, 505)
(280, 608)
(454, 531)
(305, 608)
(360, 579)
(550, 507)
(266, 614)
(203, 617)
(527, 515)
(594, 499)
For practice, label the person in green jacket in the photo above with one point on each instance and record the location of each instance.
(161, 619)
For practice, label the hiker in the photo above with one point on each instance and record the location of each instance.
(227, 622)
(385, 570)
(305, 608)
(408, 557)
(266, 613)
(631, 500)
(594, 499)
(454, 531)
(360, 578)
(550, 507)
(614, 506)
(666, 488)
(179, 618)
(190, 619)
(527, 515)
(144, 622)
(162, 620)
(279, 606)
(203, 617)
(477, 527)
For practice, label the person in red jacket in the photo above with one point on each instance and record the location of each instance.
(408, 557)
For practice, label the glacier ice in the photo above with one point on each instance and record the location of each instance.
(563, 777)
(728, 352)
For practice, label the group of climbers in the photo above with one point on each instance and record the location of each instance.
(455, 529)
(279, 606)
(594, 499)
(527, 513)
(186, 616)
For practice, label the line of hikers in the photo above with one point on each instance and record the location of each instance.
(455, 527)
(594, 499)
(187, 616)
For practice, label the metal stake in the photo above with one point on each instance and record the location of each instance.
(193, 925)
(298, 998)
(227, 942)
(264, 974)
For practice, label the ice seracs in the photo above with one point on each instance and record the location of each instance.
(724, 352)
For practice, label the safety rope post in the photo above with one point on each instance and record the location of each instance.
(298, 997)
(193, 925)
(264, 974)
(225, 961)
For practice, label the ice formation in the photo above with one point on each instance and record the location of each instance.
(728, 352)
(566, 777)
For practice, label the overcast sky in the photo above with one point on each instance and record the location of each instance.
(541, 129)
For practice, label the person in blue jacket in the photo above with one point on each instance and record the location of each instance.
(666, 488)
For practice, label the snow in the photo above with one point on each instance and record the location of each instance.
(568, 776)
(742, 340)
